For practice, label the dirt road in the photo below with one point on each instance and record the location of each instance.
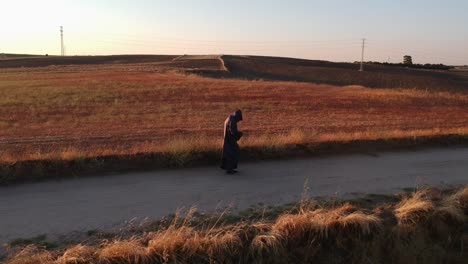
(107, 202)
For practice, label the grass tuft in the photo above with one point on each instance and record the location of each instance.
(130, 251)
(79, 254)
(267, 247)
(32, 254)
(414, 210)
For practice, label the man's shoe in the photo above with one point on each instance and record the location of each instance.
(231, 172)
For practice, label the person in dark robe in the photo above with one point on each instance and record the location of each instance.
(231, 150)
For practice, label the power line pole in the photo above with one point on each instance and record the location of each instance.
(362, 54)
(61, 39)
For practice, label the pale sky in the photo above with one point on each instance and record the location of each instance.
(431, 31)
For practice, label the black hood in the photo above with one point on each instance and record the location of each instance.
(238, 115)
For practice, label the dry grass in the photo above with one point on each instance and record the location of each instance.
(459, 199)
(268, 247)
(324, 223)
(130, 251)
(415, 209)
(79, 254)
(185, 244)
(70, 112)
(338, 234)
(32, 255)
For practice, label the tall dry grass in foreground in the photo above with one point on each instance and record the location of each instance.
(428, 226)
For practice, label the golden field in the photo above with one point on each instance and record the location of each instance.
(65, 112)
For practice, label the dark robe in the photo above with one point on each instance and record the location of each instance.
(231, 150)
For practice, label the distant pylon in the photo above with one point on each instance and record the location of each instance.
(362, 54)
(62, 52)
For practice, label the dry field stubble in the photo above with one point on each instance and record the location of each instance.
(375, 76)
(67, 115)
(429, 226)
(78, 112)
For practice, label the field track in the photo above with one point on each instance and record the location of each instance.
(106, 202)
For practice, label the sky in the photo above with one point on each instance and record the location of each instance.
(430, 31)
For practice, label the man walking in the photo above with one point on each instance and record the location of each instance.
(231, 150)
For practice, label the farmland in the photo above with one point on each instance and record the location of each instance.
(116, 107)
(374, 76)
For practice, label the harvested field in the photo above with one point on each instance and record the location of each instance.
(375, 76)
(42, 61)
(109, 111)
(265, 68)
(114, 107)
(185, 63)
